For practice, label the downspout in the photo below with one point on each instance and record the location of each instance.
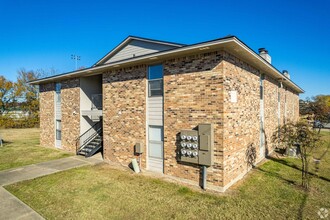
(204, 177)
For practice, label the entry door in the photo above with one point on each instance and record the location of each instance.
(156, 149)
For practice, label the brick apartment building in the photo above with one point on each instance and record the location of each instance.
(147, 91)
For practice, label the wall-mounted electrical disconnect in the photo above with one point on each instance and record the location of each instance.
(138, 148)
(196, 146)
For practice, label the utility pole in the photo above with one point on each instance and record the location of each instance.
(76, 58)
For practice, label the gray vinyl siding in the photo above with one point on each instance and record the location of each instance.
(155, 110)
(58, 116)
(155, 164)
(58, 110)
(138, 48)
(155, 118)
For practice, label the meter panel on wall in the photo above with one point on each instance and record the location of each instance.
(197, 146)
(189, 146)
(206, 144)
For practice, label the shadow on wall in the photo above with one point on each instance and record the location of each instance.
(251, 155)
(266, 143)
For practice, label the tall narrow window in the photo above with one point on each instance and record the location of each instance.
(155, 78)
(156, 142)
(58, 92)
(58, 130)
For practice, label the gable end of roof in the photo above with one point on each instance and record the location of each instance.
(131, 39)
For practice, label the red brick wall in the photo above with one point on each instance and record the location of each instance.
(70, 103)
(47, 115)
(241, 119)
(196, 90)
(193, 89)
(271, 88)
(124, 113)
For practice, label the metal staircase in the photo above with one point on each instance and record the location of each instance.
(91, 141)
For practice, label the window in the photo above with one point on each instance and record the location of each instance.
(155, 72)
(58, 92)
(155, 77)
(156, 88)
(58, 130)
(156, 141)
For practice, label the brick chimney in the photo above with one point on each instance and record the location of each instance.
(264, 54)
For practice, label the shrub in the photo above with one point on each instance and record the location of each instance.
(299, 134)
(26, 122)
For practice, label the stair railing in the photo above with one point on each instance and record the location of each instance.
(88, 136)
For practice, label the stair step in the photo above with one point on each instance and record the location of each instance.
(82, 152)
(89, 147)
(93, 145)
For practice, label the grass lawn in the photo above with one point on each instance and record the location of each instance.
(271, 191)
(21, 147)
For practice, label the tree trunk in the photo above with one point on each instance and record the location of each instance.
(304, 172)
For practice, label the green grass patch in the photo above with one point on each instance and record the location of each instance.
(22, 147)
(271, 191)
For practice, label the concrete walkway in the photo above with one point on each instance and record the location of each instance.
(13, 208)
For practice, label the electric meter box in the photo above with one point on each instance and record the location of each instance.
(189, 146)
(206, 144)
(138, 148)
(196, 146)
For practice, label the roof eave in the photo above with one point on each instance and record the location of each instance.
(219, 43)
(270, 69)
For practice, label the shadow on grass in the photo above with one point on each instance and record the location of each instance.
(6, 142)
(302, 206)
(296, 167)
(274, 174)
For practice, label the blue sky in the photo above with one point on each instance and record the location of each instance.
(42, 34)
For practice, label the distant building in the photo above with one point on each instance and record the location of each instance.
(184, 107)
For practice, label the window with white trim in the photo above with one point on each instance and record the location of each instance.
(155, 80)
(58, 130)
(156, 141)
(58, 92)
